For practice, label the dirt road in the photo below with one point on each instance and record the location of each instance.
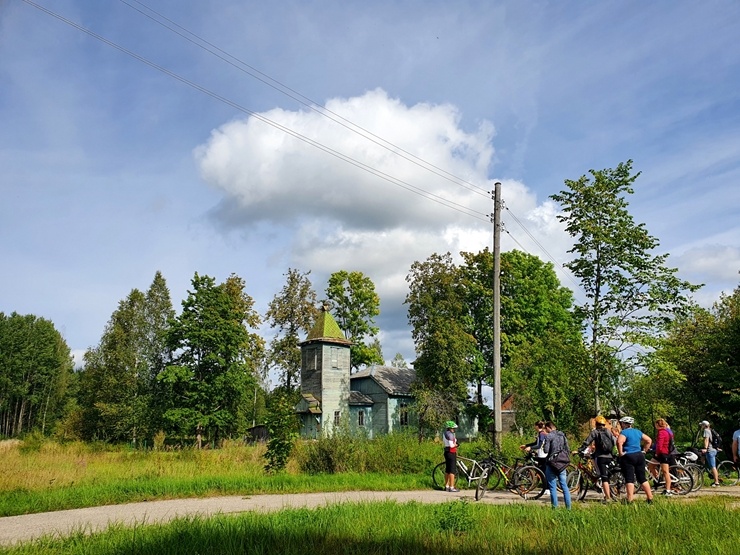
(16, 529)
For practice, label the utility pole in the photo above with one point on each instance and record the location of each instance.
(497, 424)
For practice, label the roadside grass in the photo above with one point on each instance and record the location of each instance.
(39, 476)
(703, 526)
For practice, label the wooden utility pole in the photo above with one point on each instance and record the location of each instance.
(497, 424)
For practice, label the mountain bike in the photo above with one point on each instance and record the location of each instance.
(727, 470)
(469, 471)
(589, 478)
(524, 478)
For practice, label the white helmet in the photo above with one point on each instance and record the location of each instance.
(691, 456)
(627, 420)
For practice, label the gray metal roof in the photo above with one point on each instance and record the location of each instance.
(394, 381)
(357, 398)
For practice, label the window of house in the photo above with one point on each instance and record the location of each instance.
(336, 418)
(404, 415)
(361, 418)
(334, 358)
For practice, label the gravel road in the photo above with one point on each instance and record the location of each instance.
(16, 529)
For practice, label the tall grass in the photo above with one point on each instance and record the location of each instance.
(39, 476)
(708, 526)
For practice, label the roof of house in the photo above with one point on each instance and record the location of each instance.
(326, 330)
(394, 381)
(357, 398)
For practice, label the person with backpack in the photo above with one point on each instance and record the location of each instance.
(631, 447)
(712, 442)
(558, 457)
(664, 447)
(449, 440)
(603, 453)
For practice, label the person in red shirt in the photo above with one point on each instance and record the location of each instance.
(663, 455)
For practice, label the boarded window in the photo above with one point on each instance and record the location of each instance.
(404, 415)
(336, 418)
(361, 418)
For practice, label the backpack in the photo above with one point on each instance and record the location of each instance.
(604, 442)
(716, 441)
(672, 444)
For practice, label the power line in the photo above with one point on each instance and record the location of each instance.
(297, 96)
(361, 165)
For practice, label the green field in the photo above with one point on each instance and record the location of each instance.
(63, 476)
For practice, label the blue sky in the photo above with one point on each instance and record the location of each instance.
(113, 168)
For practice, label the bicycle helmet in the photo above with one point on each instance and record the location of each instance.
(691, 456)
(627, 420)
(600, 420)
(450, 424)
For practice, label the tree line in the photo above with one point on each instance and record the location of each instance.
(637, 343)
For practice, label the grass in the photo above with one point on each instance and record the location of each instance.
(404, 529)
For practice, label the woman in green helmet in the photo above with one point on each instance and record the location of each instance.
(450, 443)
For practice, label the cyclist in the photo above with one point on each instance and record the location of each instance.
(663, 441)
(555, 442)
(632, 457)
(709, 451)
(450, 444)
(736, 446)
(603, 455)
(537, 445)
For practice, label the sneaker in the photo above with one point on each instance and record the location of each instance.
(715, 485)
(447, 488)
(453, 490)
(669, 493)
(649, 501)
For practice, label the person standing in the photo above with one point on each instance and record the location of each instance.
(537, 445)
(603, 454)
(450, 444)
(663, 441)
(631, 447)
(555, 442)
(736, 446)
(709, 451)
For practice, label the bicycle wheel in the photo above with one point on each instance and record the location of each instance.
(438, 476)
(582, 488)
(697, 473)
(480, 488)
(617, 484)
(528, 482)
(573, 479)
(681, 480)
(728, 473)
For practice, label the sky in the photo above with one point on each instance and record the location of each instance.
(253, 137)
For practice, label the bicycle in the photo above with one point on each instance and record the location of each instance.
(468, 470)
(688, 460)
(727, 470)
(588, 477)
(682, 479)
(524, 478)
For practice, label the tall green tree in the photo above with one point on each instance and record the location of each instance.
(292, 311)
(440, 327)
(535, 311)
(631, 294)
(355, 304)
(35, 371)
(118, 393)
(701, 356)
(210, 385)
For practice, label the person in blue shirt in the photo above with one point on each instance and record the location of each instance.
(631, 446)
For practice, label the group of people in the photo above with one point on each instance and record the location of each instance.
(631, 446)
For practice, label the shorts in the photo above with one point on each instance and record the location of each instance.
(450, 462)
(711, 458)
(633, 467)
(602, 467)
(666, 458)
